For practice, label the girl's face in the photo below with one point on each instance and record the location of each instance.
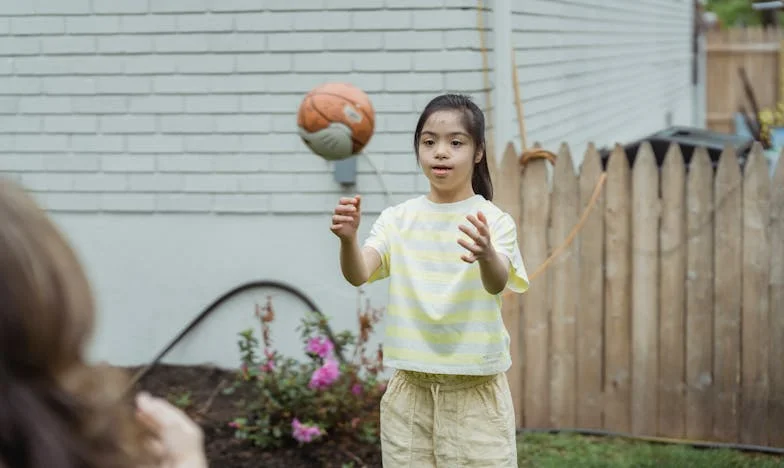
(447, 155)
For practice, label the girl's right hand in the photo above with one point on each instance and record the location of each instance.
(180, 441)
(345, 219)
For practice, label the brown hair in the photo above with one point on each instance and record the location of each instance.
(56, 411)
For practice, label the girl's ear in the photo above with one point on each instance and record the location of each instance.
(478, 156)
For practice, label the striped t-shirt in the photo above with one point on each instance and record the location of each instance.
(440, 319)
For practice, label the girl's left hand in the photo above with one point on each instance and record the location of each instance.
(481, 248)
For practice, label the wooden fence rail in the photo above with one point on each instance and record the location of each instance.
(665, 316)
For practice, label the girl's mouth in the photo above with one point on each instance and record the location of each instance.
(441, 170)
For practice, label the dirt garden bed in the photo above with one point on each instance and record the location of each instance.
(198, 390)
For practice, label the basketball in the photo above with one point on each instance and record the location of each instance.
(336, 120)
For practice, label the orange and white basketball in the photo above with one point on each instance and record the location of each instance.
(336, 120)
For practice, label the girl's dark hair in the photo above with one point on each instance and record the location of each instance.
(56, 410)
(474, 123)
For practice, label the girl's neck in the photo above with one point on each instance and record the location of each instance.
(439, 196)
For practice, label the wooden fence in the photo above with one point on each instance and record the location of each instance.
(665, 316)
(755, 49)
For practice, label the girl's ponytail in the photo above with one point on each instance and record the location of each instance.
(480, 180)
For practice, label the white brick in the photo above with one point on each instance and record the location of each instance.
(148, 24)
(242, 123)
(395, 183)
(9, 105)
(204, 63)
(67, 85)
(295, 42)
(241, 203)
(92, 24)
(155, 183)
(127, 124)
(464, 40)
(122, 163)
(447, 61)
(267, 183)
(218, 104)
(381, 21)
(185, 163)
(392, 103)
(236, 5)
(174, 84)
(36, 143)
(302, 203)
(181, 203)
(70, 163)
(322, 62)
(187, 124)
(124, 44)
(123, 85)
(212, 143)
(21, 86)
(20, 124)
(354, 41)
(203, 22)
(283, 123)
(315, 5)
(148, 64)
(58, 7)
(383, 61)
(178, 6)
(37, 25)
(116, 7)
(464, 81)
(450, 19)
(240, 42)
(315, 182)
(154, 144)
(155, 104)
(20, 162)
(277, 63)
(414, 82)
(181, 43)
(128, 202)
(297, 163)
(414, 41)
(28, 45)
(60, 45)
(48, 182)
(391, 143)
(70, 124)
(264, 22)
(18, 7)
(238, 84)
(322, 21)
(280, 103)
(69, 202)
(6, 66)
(240, 163)
(414, 4)
(355, 4)
(68, 65)
(271, 143)
(97, 143)
(211, 183)
(5, 26)
(100, 182)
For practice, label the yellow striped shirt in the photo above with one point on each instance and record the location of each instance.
(440, 319)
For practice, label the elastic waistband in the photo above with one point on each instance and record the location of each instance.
(446, 382)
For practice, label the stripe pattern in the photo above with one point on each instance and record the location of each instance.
(440, 319)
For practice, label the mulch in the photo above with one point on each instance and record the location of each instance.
(199, 389)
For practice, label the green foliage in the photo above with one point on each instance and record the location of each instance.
(735, 12)
(283, 400)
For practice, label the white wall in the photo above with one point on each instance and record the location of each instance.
(161, 134)
(602, 71)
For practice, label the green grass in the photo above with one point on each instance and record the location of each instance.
(567, 451)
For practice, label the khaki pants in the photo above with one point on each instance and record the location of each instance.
(442, 421)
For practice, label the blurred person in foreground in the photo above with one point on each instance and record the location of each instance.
(56, 410)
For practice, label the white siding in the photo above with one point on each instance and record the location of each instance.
(602, 70)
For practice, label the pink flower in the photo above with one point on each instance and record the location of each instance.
(356, 389)
(304, 432)
(325, 375)
(320, 346)
(268, 367)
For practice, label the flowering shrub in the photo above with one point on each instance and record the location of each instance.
(289, 401)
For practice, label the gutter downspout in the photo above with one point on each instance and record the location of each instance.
(503, 98)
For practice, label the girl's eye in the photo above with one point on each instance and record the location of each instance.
(457, 142)
(427, 142)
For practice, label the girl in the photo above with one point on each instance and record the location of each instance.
(449, 255)
(56, 411)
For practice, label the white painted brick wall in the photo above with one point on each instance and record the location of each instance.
(602, 71)
(190, 105)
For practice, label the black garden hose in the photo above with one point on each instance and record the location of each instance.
(223, 298)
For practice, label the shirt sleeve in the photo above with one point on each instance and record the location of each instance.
(378, 239)
(504, 238)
